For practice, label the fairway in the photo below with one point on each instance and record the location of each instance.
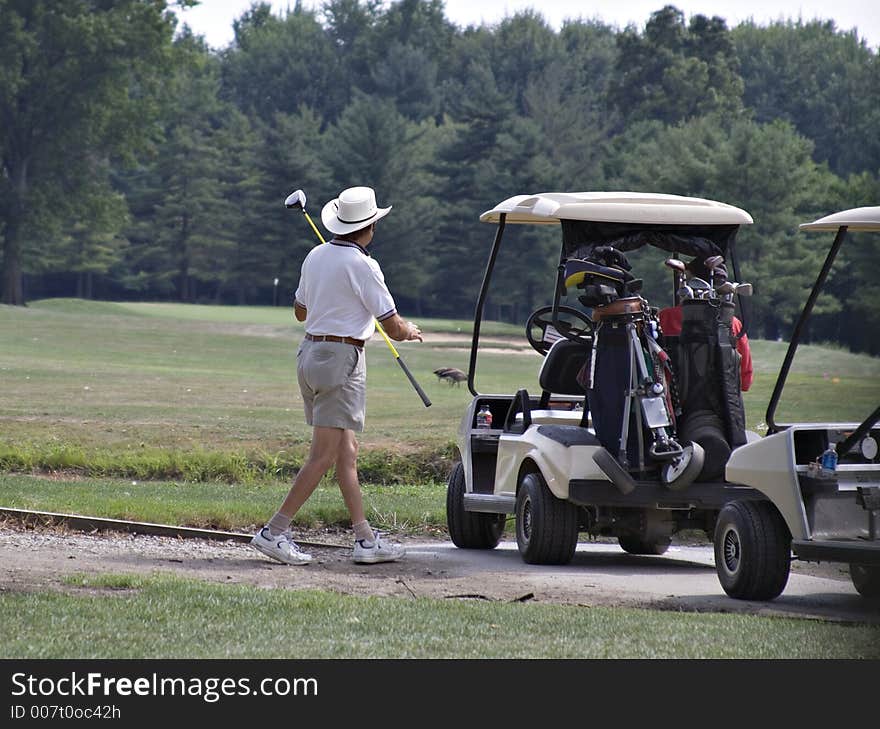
(205, 392)
(219, 378)
(182, 396)
(131, 376)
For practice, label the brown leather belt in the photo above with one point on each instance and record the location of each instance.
(333, 338)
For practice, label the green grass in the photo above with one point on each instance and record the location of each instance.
(413, 508)
(187, 392)
(116, 377)
(163, 617)
(116, 381)
(826, 384)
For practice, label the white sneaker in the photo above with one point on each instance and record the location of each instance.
(281, 548)
(377, 551)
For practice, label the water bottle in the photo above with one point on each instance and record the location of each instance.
(484, 417)
(829, 460)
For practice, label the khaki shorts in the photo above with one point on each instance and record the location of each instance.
(333, 382)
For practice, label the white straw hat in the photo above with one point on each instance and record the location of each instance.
(355, 208)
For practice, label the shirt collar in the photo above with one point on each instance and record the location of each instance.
(349, 244)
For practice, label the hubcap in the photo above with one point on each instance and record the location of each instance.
(675, 468)
(527, 520)
(731, 551)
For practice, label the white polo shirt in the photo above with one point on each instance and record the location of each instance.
(343, 290)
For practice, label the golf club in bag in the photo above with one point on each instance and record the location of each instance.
(297, 199)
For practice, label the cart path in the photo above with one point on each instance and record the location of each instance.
(601, 574)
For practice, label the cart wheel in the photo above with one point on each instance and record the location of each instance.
(546, 527)
(752, 550)
(681, 472)
(866, 579)
(469, 529)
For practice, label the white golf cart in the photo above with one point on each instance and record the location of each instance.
(828, 514)
(637, 434)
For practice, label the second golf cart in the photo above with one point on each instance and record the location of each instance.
(636, 433)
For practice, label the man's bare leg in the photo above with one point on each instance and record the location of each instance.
(323, 453)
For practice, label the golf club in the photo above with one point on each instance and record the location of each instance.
(678, 268)
(730, 288)
(297, 199)
(712, 262)
(701, 288)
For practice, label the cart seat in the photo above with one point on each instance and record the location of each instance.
(559, 371)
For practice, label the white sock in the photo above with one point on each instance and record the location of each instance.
(278, 524)
(363, 532)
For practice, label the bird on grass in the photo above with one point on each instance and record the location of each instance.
(451, 375)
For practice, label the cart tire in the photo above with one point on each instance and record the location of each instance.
(546, 527)
(752, 550)
(470, 529)
(866, 579)
(635, 545)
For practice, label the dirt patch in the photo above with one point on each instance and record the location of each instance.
(46, 557)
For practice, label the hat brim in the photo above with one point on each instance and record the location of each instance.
(335, 225)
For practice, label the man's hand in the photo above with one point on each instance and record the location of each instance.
(400, 330)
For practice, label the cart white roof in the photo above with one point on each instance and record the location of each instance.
(616, 207)
(854, 219)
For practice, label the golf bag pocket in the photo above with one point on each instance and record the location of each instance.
(713, 413)
(698, 385)
(608, 389)
(734, 409)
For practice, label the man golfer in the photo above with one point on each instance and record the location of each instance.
(341, 292)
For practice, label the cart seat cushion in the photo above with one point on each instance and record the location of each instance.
(569, 435)
(560, 368)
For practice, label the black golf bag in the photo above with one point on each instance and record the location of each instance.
(608, 388)
(707, 367)
(620, 377)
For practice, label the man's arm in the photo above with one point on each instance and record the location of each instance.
(299, 311)
(400, 330)
(745, 352)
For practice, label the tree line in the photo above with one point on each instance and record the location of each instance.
(139, 163)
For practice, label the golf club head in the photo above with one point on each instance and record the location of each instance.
(675, 264)
(732, 287)
(698, 283)
(685, 292)
(296, 199)
(712, 262)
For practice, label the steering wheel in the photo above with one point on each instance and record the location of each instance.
(572, 324)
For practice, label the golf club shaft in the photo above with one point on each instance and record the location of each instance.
(317, 232)
(421, 393)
